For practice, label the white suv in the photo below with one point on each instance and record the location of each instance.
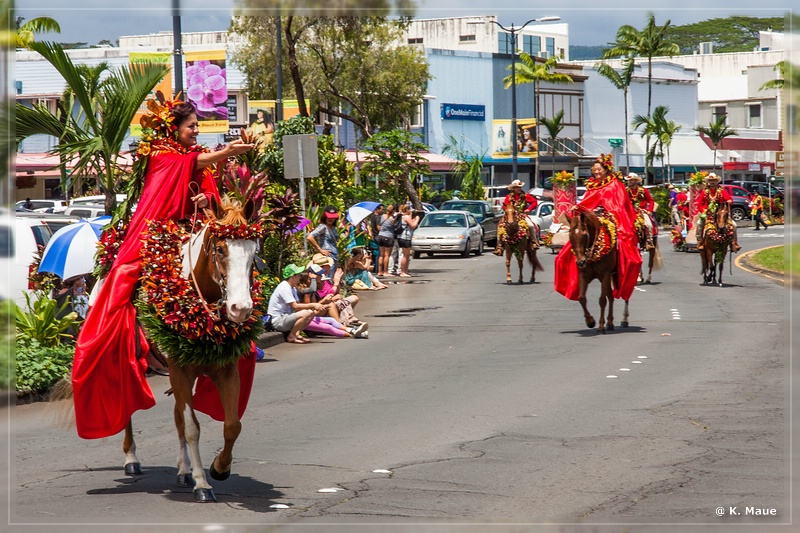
(45, 206)
(19, 238)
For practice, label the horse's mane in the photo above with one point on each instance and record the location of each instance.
(232, 212)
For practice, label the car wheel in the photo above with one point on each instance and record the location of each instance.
(738, 214)
(479, 251)
(465, 253)
(416, 255)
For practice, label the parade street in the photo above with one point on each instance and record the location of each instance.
(472, 402)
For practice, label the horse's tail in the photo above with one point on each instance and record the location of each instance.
(61, 405)
(658, 261)
(533, 259)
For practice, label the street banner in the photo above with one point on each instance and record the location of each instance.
(261, 116)
(527, 145)
(207, 89)
(165, 85)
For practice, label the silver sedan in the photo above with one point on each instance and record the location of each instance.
(448, 232)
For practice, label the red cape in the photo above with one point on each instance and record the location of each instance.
(614, 197)
(108, 380)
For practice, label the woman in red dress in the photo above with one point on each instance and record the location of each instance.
(605, 189)
(108, 374)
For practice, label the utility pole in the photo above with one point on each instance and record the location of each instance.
(177, 53)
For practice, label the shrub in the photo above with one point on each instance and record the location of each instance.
(41, 322)
(39, 367)
(6, 339)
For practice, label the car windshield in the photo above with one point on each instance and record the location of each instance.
(475, 209)
(444, 220)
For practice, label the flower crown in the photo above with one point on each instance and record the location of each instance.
(606, 161)
(236, 232)
(158, 122)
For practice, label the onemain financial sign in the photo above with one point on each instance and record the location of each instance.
(463, 112)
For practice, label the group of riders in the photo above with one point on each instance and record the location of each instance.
(710, 198)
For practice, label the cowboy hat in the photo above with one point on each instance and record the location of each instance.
(670, 186)
(516, 184)
(321, 260)
(633, 176)
(711, 178)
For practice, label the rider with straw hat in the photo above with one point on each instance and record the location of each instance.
(643, 204)
(523, 204)
(709, 199)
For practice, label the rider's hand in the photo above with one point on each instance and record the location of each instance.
(200, 200)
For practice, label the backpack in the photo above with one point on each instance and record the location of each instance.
(397, 226)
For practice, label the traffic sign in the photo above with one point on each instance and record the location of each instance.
(300, 156)
(616, 143)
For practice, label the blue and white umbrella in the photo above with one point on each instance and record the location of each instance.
(70, 251)
(360, 211)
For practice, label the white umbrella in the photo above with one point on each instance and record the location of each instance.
(70, 251)
(360, 211)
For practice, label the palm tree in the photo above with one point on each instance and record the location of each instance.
(667, 131)
(621, 80)
(662, 131)
(779, 83)
(716, 131)
(554, 126)
(26, 30)
(529, 70)
(468, 170)
(650, 42)
(93, 139)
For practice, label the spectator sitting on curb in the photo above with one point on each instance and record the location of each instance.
(359, 268)
(339, 307)
(286, 313)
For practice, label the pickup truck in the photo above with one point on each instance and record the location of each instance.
(483, 212)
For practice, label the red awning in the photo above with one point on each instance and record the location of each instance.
(743, 143)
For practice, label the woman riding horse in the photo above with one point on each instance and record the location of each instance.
(108, 375)
(523, 204)
(605, 189)
(710, 198)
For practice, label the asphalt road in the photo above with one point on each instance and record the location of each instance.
(486, 404)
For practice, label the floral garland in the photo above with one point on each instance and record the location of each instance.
(606, 238)
(563, 179)
(678, 240)
(107, 250)
(244, 232)
(522, 231)
(594, 183)
(171, 310)
(718, 235)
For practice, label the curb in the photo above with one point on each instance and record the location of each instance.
(745, 263)
(268, 339)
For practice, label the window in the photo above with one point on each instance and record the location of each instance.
(506, 44)
(417, 117)
(415, 40)
(532, 44)
(466, 38)
(719, 111)
(754, 116)
(550, 46)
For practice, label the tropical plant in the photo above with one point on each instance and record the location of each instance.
(39, 367)
(395, 156)
(39, 321)
(782, 67)
(94, 139)
(621, 80)
(647, 43)
(26, 31)
(661, 131)
(467, 169)
(716, 132)
(554, 126)
(530, 70)
(7, 308)
(282, 217)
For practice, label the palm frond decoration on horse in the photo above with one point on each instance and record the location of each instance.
(517, 242)
(718, 233)
(593, 240)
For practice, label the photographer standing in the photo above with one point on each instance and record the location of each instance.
(409, 222)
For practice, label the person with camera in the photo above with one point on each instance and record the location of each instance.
(409, 221)
(386, 237)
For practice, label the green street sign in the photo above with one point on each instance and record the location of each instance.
(616, 143)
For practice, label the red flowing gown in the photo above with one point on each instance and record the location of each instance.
(614, 197)
(108, 380)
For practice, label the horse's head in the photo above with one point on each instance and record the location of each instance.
(230, 248)
(721, 216)
(581, 236)
(509, 212)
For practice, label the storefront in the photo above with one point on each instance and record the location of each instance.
(744, 171)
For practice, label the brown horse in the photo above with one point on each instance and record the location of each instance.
(222, 269)
(717, 237)
(593, 242)
(518, 242)
(654, 256)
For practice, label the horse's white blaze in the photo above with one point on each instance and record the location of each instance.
(241, 254)
(195, 245)
(192, 433)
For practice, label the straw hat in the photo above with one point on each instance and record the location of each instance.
(321, 260)
(633, 177)
(712, 179)
(516, 184)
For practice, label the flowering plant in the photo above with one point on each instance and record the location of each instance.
(563, 179)
(698, 177)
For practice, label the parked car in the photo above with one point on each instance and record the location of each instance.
(741, 202)
(95, 200)
(483, 212)
(767, 190)
(19, 239)
(45, 205)
(53, 221)
(495, 195)
(447, 231)
(85, 211)
(543, 216)
(541, 193)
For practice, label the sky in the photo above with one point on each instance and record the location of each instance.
(94, 20)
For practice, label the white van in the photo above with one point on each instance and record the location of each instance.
(85, 211)
(19, 238)
(95, 200)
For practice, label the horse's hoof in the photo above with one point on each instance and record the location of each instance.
(204, 496)
(624, 324)
(185, 480)
(590, 323)
(133, 469)
(610, 327)
(508, 282)
(219, 476)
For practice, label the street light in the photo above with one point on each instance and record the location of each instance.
(513, 31)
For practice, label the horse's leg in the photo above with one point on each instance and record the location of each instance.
(523, 245)
(508, 264)
(624, 322)
(531, 255)
(582, 284)
(652, 258)
(132, 465)
(704, 263)
(227, 381)
(606, 297)
(182, 379)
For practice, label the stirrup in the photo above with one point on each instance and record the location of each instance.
(498, 251)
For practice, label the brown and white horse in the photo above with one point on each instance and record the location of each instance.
(593, 242)
(518, 242)
(222, 270)
(655, 261)
(717, 237)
